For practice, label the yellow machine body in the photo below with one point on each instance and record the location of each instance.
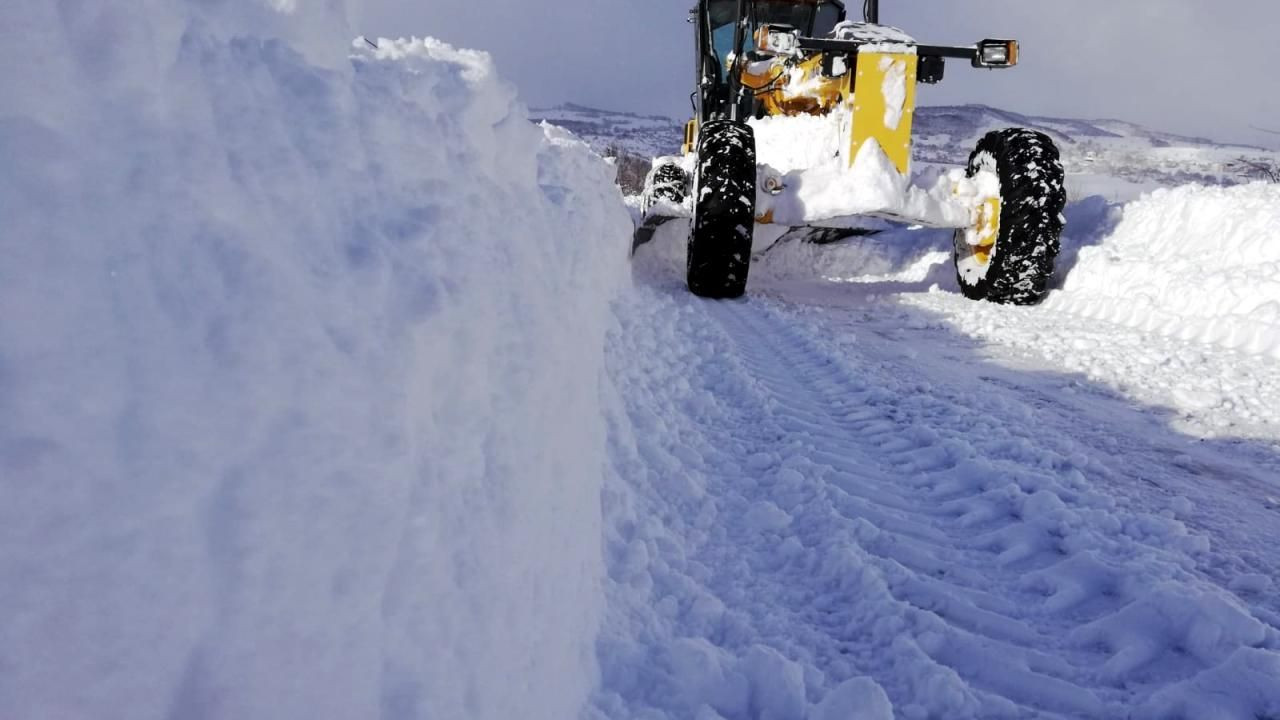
(795, 87)
(884, 101)
(880, 92)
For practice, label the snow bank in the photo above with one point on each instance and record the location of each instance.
(1198, 263)
(300, 366)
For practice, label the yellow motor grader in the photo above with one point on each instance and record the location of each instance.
(802, 120)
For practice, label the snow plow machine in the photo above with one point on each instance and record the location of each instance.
(802, 126)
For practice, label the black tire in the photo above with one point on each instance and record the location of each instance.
(666, 181)
(1032, 196)
(724, 191)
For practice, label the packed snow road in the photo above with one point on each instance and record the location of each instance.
(851, 496)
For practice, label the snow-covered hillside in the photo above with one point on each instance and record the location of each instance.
(1116, 159)
(291, 421)
(645, 135)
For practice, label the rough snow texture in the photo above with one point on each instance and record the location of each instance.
(1193, 262)
(300, 373)
(834, 481)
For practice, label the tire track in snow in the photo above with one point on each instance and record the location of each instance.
(851, 520)
(950, 577)
(750, 554)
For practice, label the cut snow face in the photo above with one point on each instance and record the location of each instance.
(300, 375)
(1197, 263)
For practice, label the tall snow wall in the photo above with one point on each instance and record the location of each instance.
(300, 362)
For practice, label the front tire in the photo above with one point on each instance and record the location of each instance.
(1017, 268)
(724, 201)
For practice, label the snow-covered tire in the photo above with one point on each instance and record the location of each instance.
(724, 191)
(666, 182)
(1032, 196)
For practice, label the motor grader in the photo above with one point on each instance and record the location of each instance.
(802, 122)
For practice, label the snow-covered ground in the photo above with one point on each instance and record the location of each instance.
(856, 482)
(324, 394)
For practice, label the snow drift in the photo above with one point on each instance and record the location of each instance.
(293, 422)
(1198, 263)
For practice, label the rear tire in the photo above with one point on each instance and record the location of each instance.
(665, 182)
(724, 192)
(1032, 196)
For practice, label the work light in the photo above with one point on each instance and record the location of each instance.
(996, 54)
(778, 40)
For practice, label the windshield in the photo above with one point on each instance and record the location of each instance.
(786, 12)
(813, 18)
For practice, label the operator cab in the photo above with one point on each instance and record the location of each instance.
(813, 18)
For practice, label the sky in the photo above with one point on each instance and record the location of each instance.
(1196, 67)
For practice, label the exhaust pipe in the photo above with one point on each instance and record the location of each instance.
(871, 11)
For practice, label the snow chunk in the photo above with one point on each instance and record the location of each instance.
(1208, 624)
(1250, 583)
(777, 684)
(1245, 687)
(859, 698)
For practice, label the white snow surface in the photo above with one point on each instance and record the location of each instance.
(300, 372)
(856, 478)
(1198, 263)
(809, 157)
(894, 90)
(324, 394)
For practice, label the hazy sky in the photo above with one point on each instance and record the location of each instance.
(1201, 67)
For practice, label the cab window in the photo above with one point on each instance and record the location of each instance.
(814, 18)
(827, 18)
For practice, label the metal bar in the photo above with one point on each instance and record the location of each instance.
(968, 52)
(826, 45)
(735, 74)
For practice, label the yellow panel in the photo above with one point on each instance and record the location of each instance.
(870, 106)
(784, 87)
(690, 136)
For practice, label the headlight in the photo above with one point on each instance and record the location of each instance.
(778, 40)
(996, 54)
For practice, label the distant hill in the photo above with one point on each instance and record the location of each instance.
(633, 139)
(945, 135)
(649, 135)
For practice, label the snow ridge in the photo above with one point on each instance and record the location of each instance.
(269, 441)
(1197, 263)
